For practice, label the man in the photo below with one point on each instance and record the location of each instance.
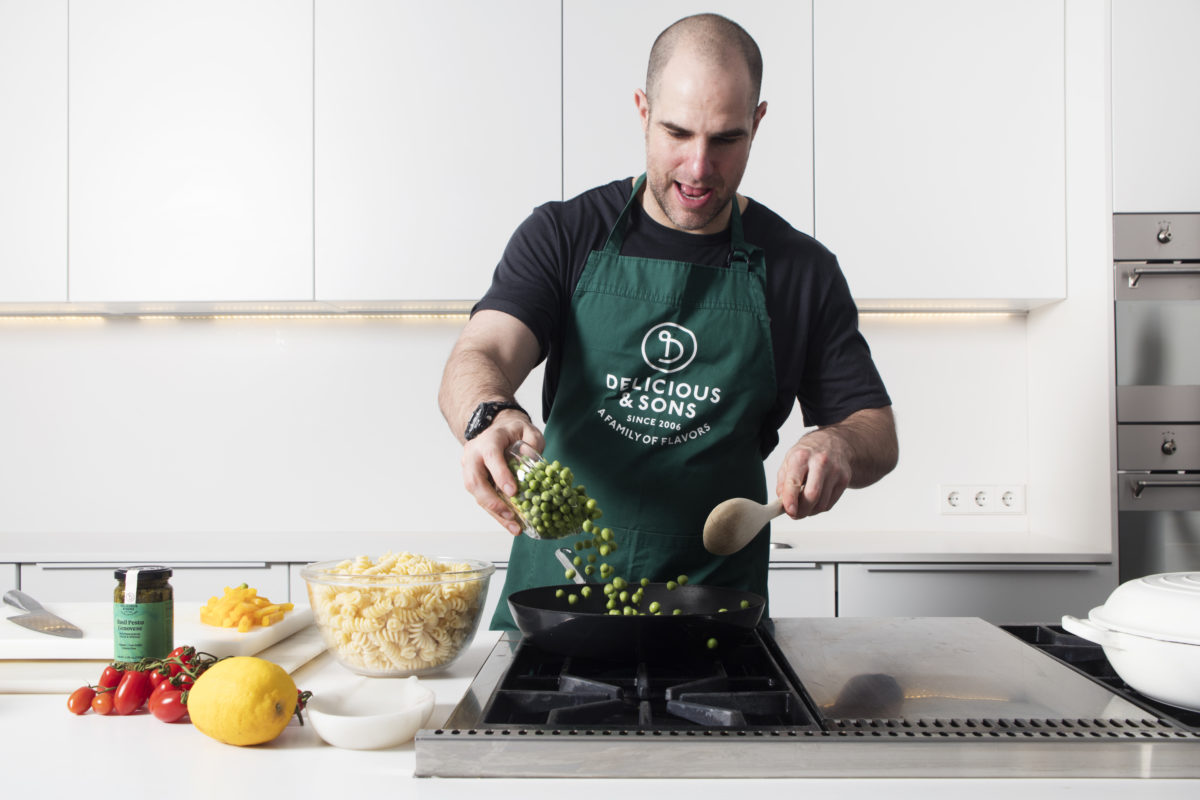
(680, 322)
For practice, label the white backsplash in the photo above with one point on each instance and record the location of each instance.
(331, 425)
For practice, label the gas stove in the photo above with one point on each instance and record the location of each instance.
(829, 697)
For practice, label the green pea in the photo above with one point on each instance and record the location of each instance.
(712, 644)
(591, 558)
(570, 574)
(629, 612)
(645, 581)
(589, 569)
(606, 534)
(586, 591)
(672, 586)
(604, 549)
(654, 607)
(745, 604)
(572, 598)
(559, 593)
(683, 579)
(609, 588)
(677, 611)
(614, 611)
(577, 561)
(624, 597)
(722, 610)
(620, 583)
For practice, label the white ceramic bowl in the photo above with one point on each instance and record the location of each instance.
(371, 713)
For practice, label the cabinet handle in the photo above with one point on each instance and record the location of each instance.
(988, 568)
(176, 564)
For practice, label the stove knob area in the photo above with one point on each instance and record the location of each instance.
(1164, 233)
(1168, 447)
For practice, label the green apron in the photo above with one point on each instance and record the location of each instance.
(667, 376)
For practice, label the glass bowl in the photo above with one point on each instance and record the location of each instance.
(399, 616)
(548, 504)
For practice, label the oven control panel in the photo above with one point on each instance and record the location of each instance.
(1158, 447)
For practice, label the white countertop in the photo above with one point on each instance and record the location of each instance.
(47, 752)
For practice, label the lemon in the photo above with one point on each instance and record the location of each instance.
(242, 700)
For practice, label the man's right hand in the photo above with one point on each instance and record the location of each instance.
(485, 465)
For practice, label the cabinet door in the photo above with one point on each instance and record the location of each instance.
(195, 582)
(999, 593)
(802, 590)
(33, 151)
(939, 148)
(438, 131)
(606, 46)
(1155, 110)
(191, 150)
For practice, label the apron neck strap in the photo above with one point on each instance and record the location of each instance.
(740, 252)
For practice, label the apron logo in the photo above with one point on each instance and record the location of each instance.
(668, 347)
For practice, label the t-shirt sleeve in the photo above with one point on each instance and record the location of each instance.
(839, 375)
(528, 281)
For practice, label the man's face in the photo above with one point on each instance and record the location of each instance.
(698, 136)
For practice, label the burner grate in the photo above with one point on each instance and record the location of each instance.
(743, 690)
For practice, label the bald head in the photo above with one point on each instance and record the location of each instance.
(712, 38)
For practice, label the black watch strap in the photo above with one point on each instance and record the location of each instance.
(484, 414)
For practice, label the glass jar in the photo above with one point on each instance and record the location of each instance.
(143, 613)
(547, 505)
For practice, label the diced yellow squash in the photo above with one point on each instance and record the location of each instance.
(241, 608)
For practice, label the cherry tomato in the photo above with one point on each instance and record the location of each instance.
(132, 692)
(166, 703)
(102, 703)
(81, 700)
(157, 679)
(184, 654)
(110, 678)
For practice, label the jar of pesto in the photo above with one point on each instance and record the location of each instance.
(143, 613)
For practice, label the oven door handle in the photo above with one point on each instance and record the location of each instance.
(1141, 486)
(1136, 273)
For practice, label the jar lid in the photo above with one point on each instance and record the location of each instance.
(1164, 606)
(144, 571)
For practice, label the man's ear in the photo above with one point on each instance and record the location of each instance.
(759, 113)
(643, 107)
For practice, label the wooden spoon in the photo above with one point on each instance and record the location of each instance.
(732, 524)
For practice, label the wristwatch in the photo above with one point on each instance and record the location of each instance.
(484, 414)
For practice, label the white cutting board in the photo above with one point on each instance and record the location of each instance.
(96, 621)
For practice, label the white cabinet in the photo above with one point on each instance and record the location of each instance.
(191, 161)
(606, 46)
(1155, 105)
(438, 129)
(939, 149)
(33, 151)
(800, 589)
(71, 582)
(999, 593)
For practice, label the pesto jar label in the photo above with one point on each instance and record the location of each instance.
(143, 629)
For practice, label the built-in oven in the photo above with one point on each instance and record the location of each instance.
(1156, 269)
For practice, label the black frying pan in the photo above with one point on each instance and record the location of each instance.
(587, 630)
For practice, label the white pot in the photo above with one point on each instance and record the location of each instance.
(1150, 631)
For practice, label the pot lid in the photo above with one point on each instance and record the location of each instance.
(1164, 606)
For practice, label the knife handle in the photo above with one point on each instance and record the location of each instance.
(15, 597)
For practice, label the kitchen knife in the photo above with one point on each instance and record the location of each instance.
(39, 619)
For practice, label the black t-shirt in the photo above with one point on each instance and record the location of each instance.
(821, 359)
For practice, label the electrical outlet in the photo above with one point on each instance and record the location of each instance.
(973, 498)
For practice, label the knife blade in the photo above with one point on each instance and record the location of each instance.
(39, 619)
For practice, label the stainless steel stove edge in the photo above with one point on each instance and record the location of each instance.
(528, 754)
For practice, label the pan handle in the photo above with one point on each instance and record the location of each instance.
(564, 556)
